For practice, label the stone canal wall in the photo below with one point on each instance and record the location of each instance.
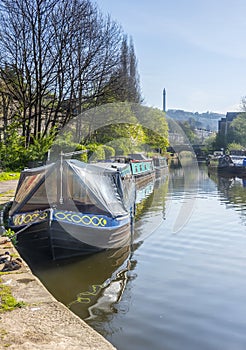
(37, 320)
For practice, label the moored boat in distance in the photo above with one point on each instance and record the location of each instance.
(73, 208)
(228, 164)
(142, 168)
(239, 165)
(160, 165)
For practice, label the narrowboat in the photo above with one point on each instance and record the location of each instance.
(239, 165)
(73, 208)
(228, 164)
(160, 165)
(142, 168)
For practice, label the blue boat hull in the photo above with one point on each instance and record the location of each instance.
(66, 235)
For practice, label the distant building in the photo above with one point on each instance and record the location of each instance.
(203, 134)
(224, 123)
(176, 138)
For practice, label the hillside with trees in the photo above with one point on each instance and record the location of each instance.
(207, 120)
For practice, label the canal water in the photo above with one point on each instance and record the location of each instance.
(182, 283)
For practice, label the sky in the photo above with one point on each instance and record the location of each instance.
(195, 49)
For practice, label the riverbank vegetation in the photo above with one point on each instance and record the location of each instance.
(4, 176)
(234, 139)
(7, 300)
(59, 59)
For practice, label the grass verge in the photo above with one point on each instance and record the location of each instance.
(4, 176)
(7, 301)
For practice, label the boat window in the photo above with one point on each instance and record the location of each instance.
(78, 193)
(44, 196)
(27, 186)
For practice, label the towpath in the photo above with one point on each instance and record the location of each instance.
(41, 322)
(6, 186)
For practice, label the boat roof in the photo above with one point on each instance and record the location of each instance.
(114, 166)
(137, 156)
(70, 181)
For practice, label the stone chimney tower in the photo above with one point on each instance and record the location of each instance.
(164, 100)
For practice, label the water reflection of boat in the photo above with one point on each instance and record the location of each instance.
(233, 188)
(74, 208)
(90, 286)
(144, 198)
(145, 194)
(151, 209)
(111, 292)
(144, 191)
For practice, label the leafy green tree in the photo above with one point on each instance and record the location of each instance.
(15, 156)
(83, 156)
(63, 143)
(234, 147)
(132, 132)
(96, 152)
(210, 142)
(154, 124)
(109, 151)
(136, 124)
(121, 146)
(12, 151)
(38, 149)
(238, 130)
(189, 132)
